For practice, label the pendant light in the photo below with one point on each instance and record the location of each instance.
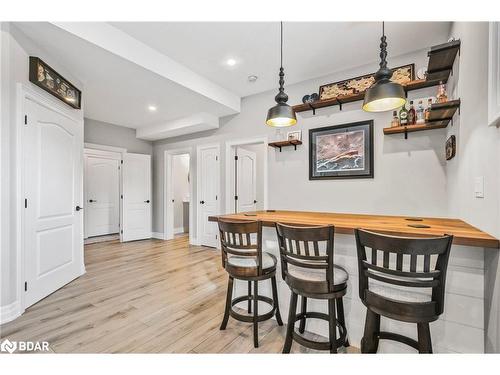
(384, 95)
(281, 114)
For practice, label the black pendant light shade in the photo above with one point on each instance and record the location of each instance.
(384, 95)
(281, 114)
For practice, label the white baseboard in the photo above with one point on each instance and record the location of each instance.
(178, 230)
(10, 312)
(158, 235)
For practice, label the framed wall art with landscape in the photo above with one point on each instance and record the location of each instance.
(341, 151)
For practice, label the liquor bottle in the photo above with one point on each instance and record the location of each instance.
(411, 114)
(428, 109)
(403, 116)
(442, 96)
(420, 113)
(395, 119)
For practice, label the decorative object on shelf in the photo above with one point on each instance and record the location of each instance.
(295, 135)
(342, 151)
(421, 73)
(310, 98)
(451, 147)
(383, 95)
(55, 84)
(442, 96)
(281, 114)
(401, 74)
(395, 120)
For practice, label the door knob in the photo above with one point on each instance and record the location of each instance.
(78, 208)
(254, 201)
(92, 200)
(173, 200)
(146, 201)
(202, 202)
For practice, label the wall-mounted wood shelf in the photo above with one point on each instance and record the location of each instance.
(439, 68)
(439, 117)
(280, 144)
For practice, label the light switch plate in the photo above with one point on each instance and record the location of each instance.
(479, 187)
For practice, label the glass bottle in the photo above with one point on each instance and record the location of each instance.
(411, 114)
(420, 113)
(442, 96)
(395, 119)
(428, 109)
(403, 116)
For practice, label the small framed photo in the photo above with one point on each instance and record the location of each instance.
(294, 135)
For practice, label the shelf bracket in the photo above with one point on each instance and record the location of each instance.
(313, 109)
(340, 104)
(406, 132)
(295, 147)
(279, 148)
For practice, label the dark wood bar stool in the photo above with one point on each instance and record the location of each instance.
(428, 262)
(243, 259)
(307, 267)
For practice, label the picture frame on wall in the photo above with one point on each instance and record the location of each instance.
(341, 151)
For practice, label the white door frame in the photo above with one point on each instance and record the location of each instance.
(240, 142)
(167, 190)
(107, 153)
(24, 92)
(198, 186)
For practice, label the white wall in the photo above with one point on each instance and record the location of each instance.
(478, 154)
(410, 176)
(180, 175)
(15, 50)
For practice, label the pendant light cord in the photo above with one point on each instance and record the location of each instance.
(281, 60)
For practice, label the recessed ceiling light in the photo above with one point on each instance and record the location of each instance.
(152, 108)
(231, 62)
(252, 78)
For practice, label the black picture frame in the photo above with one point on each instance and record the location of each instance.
(353, 129)
(57, 85)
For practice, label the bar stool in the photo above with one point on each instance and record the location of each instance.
(428, 261)
(309, 271)
(243, 259)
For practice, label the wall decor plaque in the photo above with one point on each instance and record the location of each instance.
(342, 151)
(48, 79)
(402, 74)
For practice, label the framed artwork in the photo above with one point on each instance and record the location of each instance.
(341, 151)
(451, 147)
(402, 74)
(55, 84)
(294, 135)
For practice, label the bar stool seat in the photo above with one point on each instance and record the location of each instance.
(248, 265)
(318, 277)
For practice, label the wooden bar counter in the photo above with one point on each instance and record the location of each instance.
(469, 289)
(464, 234)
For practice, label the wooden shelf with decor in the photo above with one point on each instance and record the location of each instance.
(439, 68)
(290, 143)
(441, 114)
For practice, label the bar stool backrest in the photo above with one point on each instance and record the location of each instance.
(243, 238)
(308, 248)
(406, 263)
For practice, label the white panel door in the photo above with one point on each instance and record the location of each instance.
(208, 190)
(246, 185)
(102, 194)
(136, 197)
(53, 220)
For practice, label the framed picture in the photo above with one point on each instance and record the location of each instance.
(48, 79)
(451, 147)
(342, 151)
(402, 74)
(294, 135)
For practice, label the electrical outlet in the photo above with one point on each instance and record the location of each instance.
(479, 187)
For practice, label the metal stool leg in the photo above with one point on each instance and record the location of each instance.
(255, 314)
(303, 308)
(276, 302)
(291, 323)
(228, 303)
(332, 325)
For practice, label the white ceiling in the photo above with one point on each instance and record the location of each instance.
(118, 87)
(311, 49)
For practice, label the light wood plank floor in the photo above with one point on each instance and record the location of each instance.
(147, 296)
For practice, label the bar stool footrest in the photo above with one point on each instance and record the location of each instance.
(249, 318)
(399, 338)
(315, 344)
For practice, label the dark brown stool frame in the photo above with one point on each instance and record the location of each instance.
(421, 313)
(236, 240)
(309, 258)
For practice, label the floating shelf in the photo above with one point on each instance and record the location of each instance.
(281, 144)
(439, 117)
(441, 59)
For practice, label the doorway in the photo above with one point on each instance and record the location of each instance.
(247, 176)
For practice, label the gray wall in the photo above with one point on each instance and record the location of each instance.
(410, 177)
(104, 133)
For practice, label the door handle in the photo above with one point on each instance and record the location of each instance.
(146, 201)
(173, 200)
(78, 208)
(254, 201)
(92, 200)
(202, 202)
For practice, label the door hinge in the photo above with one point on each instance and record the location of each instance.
(121, 231)
(121, 161)
(25, 286)
(118, 167)
(216, 158)
(121, 196)
(235, 197)
(216, 237)
(235, 157)
(25, 119)
(25, 203)
(216, 197)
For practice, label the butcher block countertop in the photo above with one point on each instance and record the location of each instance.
(464, 234)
